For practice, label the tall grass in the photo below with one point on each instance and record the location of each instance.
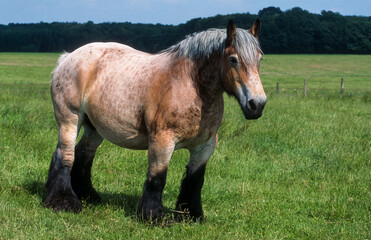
(302, 171)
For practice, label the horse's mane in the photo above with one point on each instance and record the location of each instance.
(203, 44)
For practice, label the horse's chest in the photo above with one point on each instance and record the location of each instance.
(210, 124)
(204, 128)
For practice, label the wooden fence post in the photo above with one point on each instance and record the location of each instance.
(278, 88)
(305, 87)
(342, 87)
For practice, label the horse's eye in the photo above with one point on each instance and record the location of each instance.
(233, 60)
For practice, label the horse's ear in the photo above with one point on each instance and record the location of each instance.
(231, 33)
(255, 29)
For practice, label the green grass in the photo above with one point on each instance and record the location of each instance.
(302, 171)
(323, 73)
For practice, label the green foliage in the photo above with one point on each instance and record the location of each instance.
(292, 31)
(298, 31)
(302, 171)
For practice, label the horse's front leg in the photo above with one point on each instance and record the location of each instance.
(160, 150)
(189, 200)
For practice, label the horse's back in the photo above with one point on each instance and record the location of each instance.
(82, 65)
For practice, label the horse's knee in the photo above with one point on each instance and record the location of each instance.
(156, 182)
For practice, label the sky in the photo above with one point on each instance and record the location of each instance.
(158, 11)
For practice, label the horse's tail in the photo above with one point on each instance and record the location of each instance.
(60, 60)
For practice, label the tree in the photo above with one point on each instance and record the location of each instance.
(293, 31)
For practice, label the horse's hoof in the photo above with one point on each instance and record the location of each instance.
(185, 215)
(63, 202)
(151, 215)
(181, 217)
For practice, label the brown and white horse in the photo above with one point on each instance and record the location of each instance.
(160, 102)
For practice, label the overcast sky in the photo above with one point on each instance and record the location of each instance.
(157, 11)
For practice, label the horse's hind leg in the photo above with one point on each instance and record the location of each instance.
(81, 169)
(189, 199)
(60, 195)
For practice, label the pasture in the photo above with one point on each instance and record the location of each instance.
(302, 171)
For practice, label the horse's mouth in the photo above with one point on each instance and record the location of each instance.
(252, 108)
(253, 115)
(251, 105)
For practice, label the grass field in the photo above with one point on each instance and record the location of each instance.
(302, 171)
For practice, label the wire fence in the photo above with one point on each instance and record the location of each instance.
(341, 91)
(281, 89)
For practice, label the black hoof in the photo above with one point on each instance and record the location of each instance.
(182, 213)
(184, 216)
(63, 202)
(147, 213)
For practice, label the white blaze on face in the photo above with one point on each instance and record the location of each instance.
(250, 93)
(255, 85)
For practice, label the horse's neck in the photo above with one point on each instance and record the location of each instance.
(208, 79)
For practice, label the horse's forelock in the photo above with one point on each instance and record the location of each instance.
(247, 46)
(203, 44)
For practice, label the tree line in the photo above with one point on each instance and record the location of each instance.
(292, 31)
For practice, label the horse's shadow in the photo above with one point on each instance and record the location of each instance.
(128, 203)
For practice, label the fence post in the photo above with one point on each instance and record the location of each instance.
(305, 87)
(342, 87)
(278, 88)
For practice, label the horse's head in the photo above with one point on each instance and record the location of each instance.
(242, 57)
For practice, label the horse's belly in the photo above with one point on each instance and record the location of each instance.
(139, 142)
(119, 125)
(124, 137)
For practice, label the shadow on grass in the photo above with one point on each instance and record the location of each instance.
(128, 203)
(120, 200)
(35, 188)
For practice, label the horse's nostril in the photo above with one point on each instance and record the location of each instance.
(253, 105)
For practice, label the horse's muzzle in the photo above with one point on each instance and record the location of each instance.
(253, 108)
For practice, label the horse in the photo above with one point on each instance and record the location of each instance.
(156, 102)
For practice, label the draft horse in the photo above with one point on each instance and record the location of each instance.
(156, 102)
